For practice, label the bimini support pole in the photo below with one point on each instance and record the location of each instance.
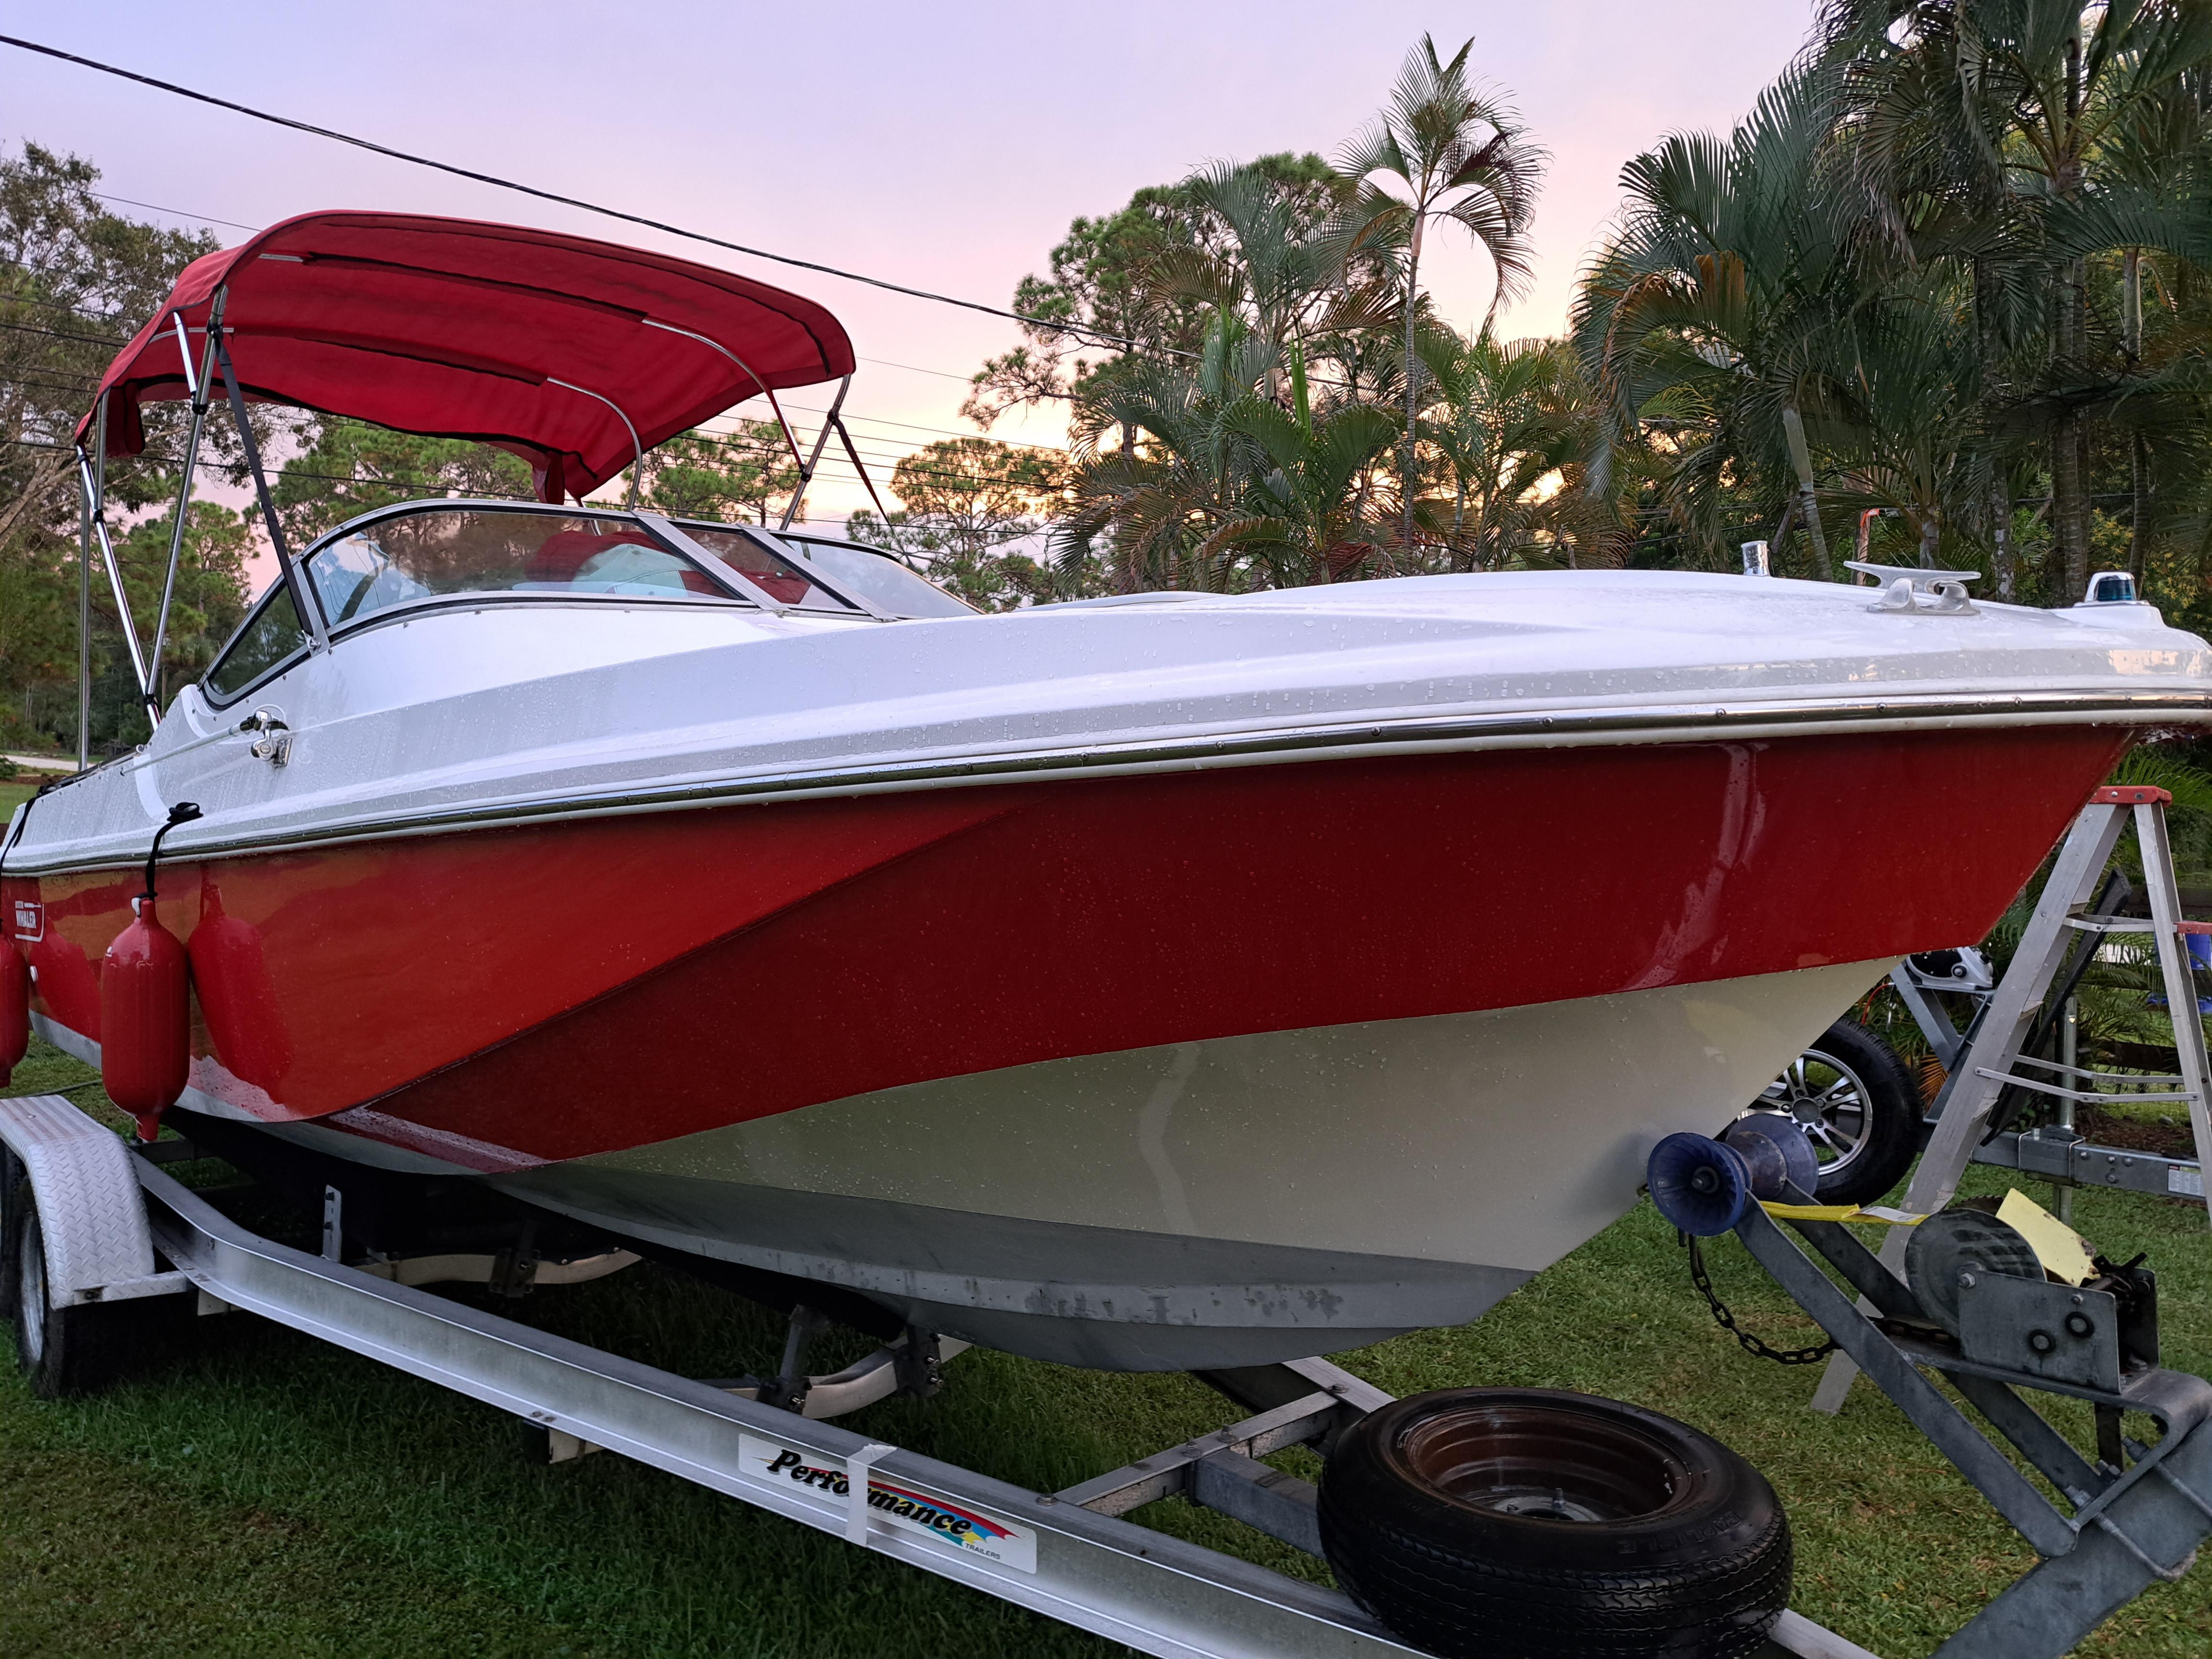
(807, 470)
(790, 438)
(84, 602)
(637, 449)
(94, 483)
(311, 620)
(199, 386)
(853, 454)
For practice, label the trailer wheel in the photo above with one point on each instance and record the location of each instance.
(1522, 1523)
(62, 1351)
(11, 1178)
(1851, 1095)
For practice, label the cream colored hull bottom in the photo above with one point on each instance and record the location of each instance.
(1230, 1201)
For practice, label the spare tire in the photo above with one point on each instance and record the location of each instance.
(1528, 1524)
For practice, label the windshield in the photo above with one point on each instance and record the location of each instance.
(445, 551)
(271, 635)
(748, 554)
(884, 581)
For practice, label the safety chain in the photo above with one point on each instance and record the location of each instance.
(1726, 1319)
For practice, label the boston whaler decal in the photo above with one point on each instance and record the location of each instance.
(938, 1519)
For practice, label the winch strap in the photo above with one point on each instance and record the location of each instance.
(1881, 1213)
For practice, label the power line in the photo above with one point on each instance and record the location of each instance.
(891, 460)
(113, 317)
(53, 305)
(120, 317)
(178, 213)
(440, 485)
(60, 334)
(942, 432)
(880, 450)
(887, 451)
(915, 368)
(875, 420)
(1075, 330)
(212, 466)
(877, 449)
(76, 391)
(878, 420)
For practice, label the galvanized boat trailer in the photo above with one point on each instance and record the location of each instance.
(2134, 1513)
(107, 1210)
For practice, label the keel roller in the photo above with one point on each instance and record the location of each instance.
(1779, 1154)
(1702, 1186)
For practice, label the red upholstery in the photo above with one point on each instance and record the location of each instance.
(565, 552)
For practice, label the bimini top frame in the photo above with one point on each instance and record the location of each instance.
(577, 356)
(458, 329)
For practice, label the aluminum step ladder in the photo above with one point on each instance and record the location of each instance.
(1988, 1062)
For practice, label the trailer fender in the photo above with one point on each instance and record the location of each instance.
(91, 1213)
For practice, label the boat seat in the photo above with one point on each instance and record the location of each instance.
(563, 555)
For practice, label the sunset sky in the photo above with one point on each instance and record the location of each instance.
(946, 148)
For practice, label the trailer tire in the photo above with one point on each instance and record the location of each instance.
(63, 1351)
(11, 1178)
(1851, 1072)
(1521, 1523)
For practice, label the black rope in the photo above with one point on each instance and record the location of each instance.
(184, 811)
(22, 823)
(1726, 1319)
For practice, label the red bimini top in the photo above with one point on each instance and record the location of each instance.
(454, 329)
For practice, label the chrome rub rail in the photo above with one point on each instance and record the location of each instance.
(1572, 728)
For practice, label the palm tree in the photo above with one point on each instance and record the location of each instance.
(1725, 309)
(1259, 267)
(1261, 254)
(1440, 152)
(1160, 500)
(1230, 488)
(1904, 429)
(1306, 501)
(1995, 136)
(1511, 422)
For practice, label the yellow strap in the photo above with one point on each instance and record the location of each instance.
(1881, 1213)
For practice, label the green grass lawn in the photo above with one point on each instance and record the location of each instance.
(257, 1492)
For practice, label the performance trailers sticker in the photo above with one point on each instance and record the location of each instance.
(953, 1525)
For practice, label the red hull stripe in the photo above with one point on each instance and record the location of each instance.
(582, 988)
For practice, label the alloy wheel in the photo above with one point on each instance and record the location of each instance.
(1828, 1099)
